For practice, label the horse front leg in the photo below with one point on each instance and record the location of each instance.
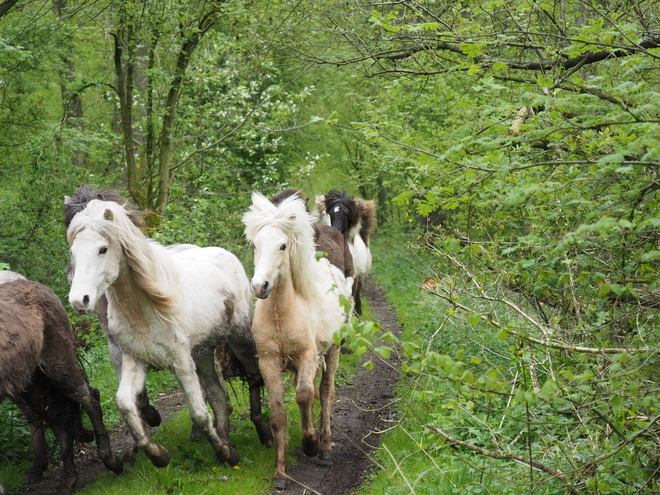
(64, 435)
(133, 379)
(148, 412)
(39, 446)
(327, 391)
(272, 375)
(306, 368)
(185, 370)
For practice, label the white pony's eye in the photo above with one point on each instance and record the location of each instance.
(103, 250)
(282, 247)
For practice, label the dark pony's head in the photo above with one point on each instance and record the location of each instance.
(83, 195)
(343, 210)
(278, 198)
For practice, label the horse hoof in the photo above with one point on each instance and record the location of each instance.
(161, 460)
(324, 455)
(85, 435)
(65, 487)
(129, 456)
(280, 484)
(150, 415)
(32, 477)
(266, 437)
(114, 464)
(311, 447)
(195, 432)
(233, 459)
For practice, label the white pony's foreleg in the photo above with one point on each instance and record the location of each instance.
(186, 374)
(133, 378)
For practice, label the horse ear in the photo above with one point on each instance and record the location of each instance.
(67, 200)
(108, 215)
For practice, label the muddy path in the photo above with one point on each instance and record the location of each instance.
(363, 409)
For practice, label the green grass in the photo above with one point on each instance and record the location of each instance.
(411, 459)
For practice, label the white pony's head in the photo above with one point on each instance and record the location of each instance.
(283, 239)
(319, 212)
(96, 253)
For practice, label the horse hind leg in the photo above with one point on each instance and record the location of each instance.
(246, 354)
(357, 294)
(64, 435)
(216, 393)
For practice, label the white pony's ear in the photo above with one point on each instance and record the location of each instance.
(67, 200)
(108, 215)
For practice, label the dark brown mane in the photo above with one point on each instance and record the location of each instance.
(288, 192)
(367, 217)
(83, 195)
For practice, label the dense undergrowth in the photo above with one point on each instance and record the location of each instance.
(494, 402)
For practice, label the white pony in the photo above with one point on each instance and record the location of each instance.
(355, 219)
(167, 308)
(297, 313)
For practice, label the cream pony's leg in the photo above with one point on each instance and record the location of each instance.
(328, 399)
(306, 367)
(133, 378)
(272, 375)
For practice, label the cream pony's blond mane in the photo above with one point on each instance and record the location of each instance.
(149, 271)
(292, 218)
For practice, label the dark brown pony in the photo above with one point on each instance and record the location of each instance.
(42, 376)
(355, 218)
(326, 238)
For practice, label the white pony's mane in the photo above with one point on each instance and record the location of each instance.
(149, 271)
(292, 218)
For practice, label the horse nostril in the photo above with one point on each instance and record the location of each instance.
(85, 300)
(265, 286)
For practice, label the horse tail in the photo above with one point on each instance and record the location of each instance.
(368, 211)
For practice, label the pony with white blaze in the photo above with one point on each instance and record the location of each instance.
(166, 308)
(297, 312)
(355, 218)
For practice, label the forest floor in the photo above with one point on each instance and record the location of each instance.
(363, 409)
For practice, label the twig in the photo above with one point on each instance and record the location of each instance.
(498, 455)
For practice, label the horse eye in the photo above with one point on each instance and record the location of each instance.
(282, 247)
(103, 250)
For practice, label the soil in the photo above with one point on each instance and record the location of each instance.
(363, 409)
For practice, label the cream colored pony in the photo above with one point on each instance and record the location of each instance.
(297, 313)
